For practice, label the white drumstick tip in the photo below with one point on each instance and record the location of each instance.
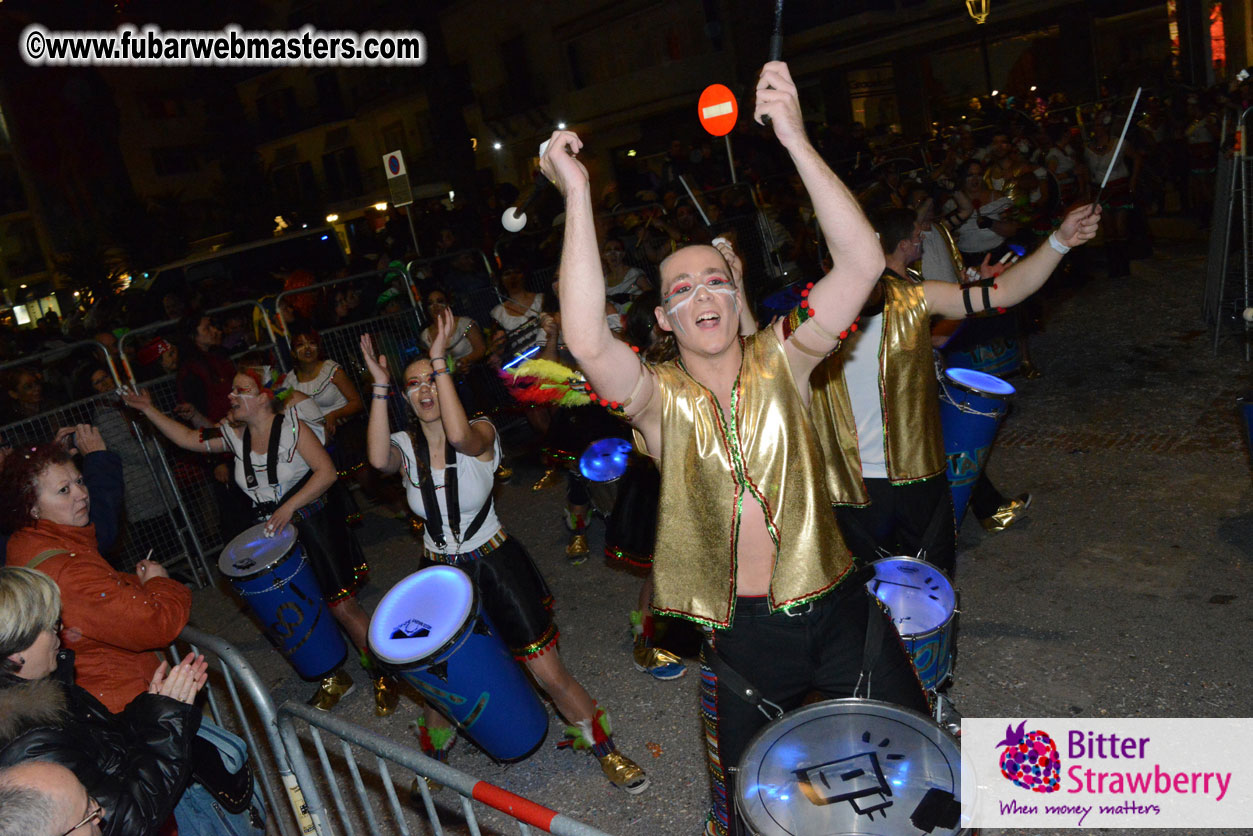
(513, 220)
(543, 146)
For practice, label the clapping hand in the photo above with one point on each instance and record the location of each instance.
(183, 681)
(376, 363)
(445, 325)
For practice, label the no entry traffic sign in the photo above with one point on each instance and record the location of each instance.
(717, 109)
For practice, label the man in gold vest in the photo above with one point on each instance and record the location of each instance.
(875, 403)
(746, 543)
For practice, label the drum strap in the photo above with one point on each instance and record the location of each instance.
(452, 497)
(271, 454)
(733, 681)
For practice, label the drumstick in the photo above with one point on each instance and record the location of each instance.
(1118, 147)
(776, 43)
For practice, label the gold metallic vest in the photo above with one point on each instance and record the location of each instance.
(908, 393)
(764, 451)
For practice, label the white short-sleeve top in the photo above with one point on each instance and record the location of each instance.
(291, 465)
(322, 388)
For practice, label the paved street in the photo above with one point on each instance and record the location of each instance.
(1125, 593)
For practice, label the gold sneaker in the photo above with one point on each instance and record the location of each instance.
(386, 696)
(623, 773)
(1007, 514)
(503, 474)
(551, 477)
(657, 662)
(334, 687)
(577, 550)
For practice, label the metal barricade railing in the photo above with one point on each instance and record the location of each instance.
(396, 335)
(473, 292)
(290, 818)
(152, 522)
(526, 814)
(1228, 291)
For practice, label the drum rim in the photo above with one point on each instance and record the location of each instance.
(236, 574)
(427, 659)
(969, 387)
(856, 702)
(940, 628)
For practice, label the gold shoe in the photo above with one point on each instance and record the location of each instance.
(504, 474)
(416, 524)
(658, 663)
(1007, 514)
(386, 696)
(334, 688)
(1029, 370)
(551, 477)
(577, 549)
(623, 772)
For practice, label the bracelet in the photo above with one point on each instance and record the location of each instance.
(438, 372)
(1058, 246)
(381, 385)
(377, 397)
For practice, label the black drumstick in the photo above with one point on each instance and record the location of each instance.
(776, 43)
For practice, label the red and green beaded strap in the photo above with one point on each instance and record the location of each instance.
(802, 313)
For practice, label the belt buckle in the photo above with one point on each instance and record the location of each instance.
(799, 610)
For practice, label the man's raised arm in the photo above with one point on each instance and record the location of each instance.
(1020, 280)
(609, 364)
(837, 298)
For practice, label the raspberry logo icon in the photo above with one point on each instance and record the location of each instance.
(1030, 759)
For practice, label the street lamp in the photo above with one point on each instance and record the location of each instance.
(979, 9)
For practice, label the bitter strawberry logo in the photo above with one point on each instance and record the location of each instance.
(1030, 759)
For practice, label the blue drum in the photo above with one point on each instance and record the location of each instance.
(971, 407)
(431, 628)
(999, 356)
(922, 604)
(274, 578)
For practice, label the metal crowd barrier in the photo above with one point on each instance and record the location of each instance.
(526, 814)
(153, 520)
(475, 302)
(396, 335)
(287, 819)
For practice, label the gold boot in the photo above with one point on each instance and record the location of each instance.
(577, 549)
(386, 696)
(551, 477)
(623, 772)
(658, 663)
(1007, 514)
(333, 688)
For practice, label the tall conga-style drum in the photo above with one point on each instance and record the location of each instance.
(603, 464)
(431, 629)
(845, 767)
(972, 405)
(274, 578)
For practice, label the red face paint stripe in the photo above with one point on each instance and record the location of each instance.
(520, 808)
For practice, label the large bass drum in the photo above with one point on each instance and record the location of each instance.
(851, 767)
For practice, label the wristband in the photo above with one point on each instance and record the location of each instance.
(376, 396)
(438, 372)
(1058, 246)
(381, 385)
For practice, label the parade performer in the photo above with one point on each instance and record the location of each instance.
(746, 543)
(876, 403)
(448, 463)
(281, 465)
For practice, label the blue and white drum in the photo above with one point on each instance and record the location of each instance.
(922, 603)
(851, 767)
(431, 629)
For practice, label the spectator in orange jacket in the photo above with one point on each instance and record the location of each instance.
(113, 621)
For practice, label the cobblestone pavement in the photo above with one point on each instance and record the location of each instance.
(1125, 592)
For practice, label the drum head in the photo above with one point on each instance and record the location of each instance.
(605, 460)
(851, 767)
(988, 385)
(918, 594)
(251, 552)
(421, 614)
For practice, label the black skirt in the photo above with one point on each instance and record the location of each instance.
(332, 547)
(514, 596)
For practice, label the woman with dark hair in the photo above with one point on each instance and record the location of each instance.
(441, 452)
(114, 621)
(466, 347)
(978, 215)
(281, 465)
(134, 764)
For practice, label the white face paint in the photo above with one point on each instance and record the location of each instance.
(682, 296)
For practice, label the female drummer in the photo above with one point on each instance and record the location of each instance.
(281, 465)
(444, 455)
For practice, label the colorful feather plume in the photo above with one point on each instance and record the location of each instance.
(538, 382)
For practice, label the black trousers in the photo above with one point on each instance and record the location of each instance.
(820, 649)
(985, 499)
(897, 519)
